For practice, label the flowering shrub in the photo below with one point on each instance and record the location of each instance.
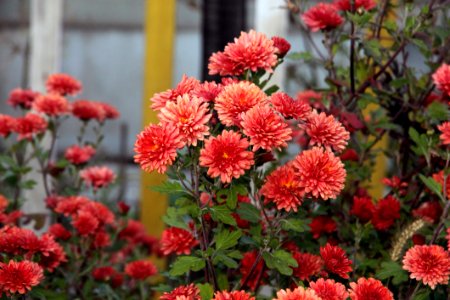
(271, 195)
(92, 249)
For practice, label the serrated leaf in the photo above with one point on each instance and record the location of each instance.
(438, 112)
(206, 291)
(184, 264)
(280, 260)
(174, 218)
(226, 260)
(249, 212)
(227, 239)
(392, 269)
(296, 225)
(223, 214)
(169, 187)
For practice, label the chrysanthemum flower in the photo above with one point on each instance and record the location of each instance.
(345, 5)
(19, 277)
(336, 261)
(185, 86)
(429, 211)
(7, 124)
(282, 45)
(97, 177)
(363, 208)
(447, 237)
(282, 188)
(100, 211)
(308, 265)
(208, 91)
(322, 225)
(329, 289)
(18, 241)
(445, 133)
(4, 202)
(323, 16)
(183, 292)
(320, 173)
(69, 206)
(439, 178)
(22, 98)
(78, 155)
(52, 253)
(258, 273)
(300, 293)
(178, 241)
(62, 84)
(85, 223)
(429, 264)
(190, 115)
(156, 147)
(370, 288)
(326, 131)
(265, 128)
(10, 218)
(234, 295)
(51, 105)
(140, 269)
(226, 156)
(441, 78)
(59, 232)
(101, 239)
(386, 212)
(235, 99)
(87, 110)
(289, 107)
(251, 51)
(30, 125)
(103, 273)
(110, 111)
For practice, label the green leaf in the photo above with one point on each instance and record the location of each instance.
(433, 185)
(306, 56)
(272, 90)
(206, 291)
(280, 260)
(169, 187)
(373, 48)
(296, 225)
(249, 212)
(174, 218)
(438, 112)
(420, 140)
(231, 194)
(223, 214)
(227, 239)
(392, 269)
(226, 260)
(423, 294)
(184, 264)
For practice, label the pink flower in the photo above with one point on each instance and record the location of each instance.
(79, 155)
(282, 45)
(178, 241)
(300, 293)
(187, 85)
(51, 105)
(369, 288)
(97, 177)
(323, 16)
(30, 125)
(63, 84)
(329, 289)
(445, 133)
(441, 78)
(289, 107)
(86, 110)
(22, 98)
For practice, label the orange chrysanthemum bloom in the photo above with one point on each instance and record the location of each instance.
(326, 131)
(308, 265)
(19, 277)
(329, 289)
(428, 263)
(178, 241)
(235, 99)
(63, 84)
(51, 105)
(323, 16)
(251, 51)
(369, 288)
(226, 156)
(300, 293)
(335, 260)
(282, 188)
(288, 107)
(265, 128)
(190, 116)
(445, 133)
(183, 292)
(140, 269)
(320, 173)
(185, 86)
(234, 295)
(29, 125)
(156, 147)
(441, 78)
(97, 177)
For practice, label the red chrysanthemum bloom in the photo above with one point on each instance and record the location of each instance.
(19, 277)
(445, 133)
(78, 155)
(235, 99)
(282, 188)
(429, 264)
(97, 177)
(329, 289)
(51, 105)
(103, 273)
(251, 51)
(226, 155)
(336, 261)
(323, 16)
(10, 218)
(441, 78)
(320, 173)
(29, 125)
(322, 225)
(208, 91)
(100, 211)
(386, 212)
(326, 131)
(7, 125)
(265, 128)
(86, 110)
(365, 289)
(345, 5)
(183, 292)
(70, 205)
(18, 241)
(110, 111)
(282, 45)
(234, 295)
(63, 84)
(132, 230)
(156, 147)
(439, 178)
(429, 211)
(140, 269)
(289, 107)
(85, 223)
(4, 202)
(308, 265)
(363, 208)
(59, 232)
(258, 273)
(394, 182)
(300, 293)
(190, 115)
(447, 237)
(52, 253)
(418, 239)
(178, 241)
(101, 239)
(22, 98)
(185, 86)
